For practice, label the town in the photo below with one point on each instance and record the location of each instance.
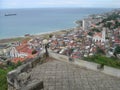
(96, 34)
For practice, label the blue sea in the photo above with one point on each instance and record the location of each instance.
(40, 20)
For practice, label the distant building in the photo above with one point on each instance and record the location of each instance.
(27, 35)
(100, 37)
(14, 53)
(21, 53)
(85, 24)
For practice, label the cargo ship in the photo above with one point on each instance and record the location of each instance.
(10, 14)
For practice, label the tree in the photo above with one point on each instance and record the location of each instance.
(90, 33)
(51, 35)
(34, 52)
(117, 50)
(79, 22)
(108, 24)
(96, 30)
(100, 51)
(117, 24)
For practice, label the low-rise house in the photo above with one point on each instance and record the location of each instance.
(15, 52)
(21, 53)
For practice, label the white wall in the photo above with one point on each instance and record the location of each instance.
(89, 65)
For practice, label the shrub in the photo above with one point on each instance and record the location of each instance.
(117, 50)
(34, 52)
(100, 51)
(3, 79)
(3, 74)
(101, 59)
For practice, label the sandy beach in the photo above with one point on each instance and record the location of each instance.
(44, 35)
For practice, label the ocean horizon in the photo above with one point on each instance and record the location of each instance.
(42, 20)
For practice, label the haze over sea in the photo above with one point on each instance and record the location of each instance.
(33, 21)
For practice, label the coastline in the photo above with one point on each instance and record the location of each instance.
(15, 38)
(42, 22)
(18, 38)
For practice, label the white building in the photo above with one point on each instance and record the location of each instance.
(86, 24)
(14, 53)
(100, 37)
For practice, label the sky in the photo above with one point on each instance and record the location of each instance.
(59, 3)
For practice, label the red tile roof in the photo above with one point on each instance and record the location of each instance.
(98, 34)
(24, 48)
(15, 60)
(24, 41)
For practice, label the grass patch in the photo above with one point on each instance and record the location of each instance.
(3, 74)
(3, 79)
(100, 59)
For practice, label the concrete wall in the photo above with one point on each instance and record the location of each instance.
(89, 65)
(17, 78)
(59, 57)
(21, 74)
(111, 71)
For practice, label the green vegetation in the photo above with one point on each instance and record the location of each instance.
(3, 80)
(101, 59)
(100, 51)
(3, 73)
(108, 23)
(51, 35)
(34, 52)
(79, 22)
(117, 50)
(117, 24)
(111, 25)
(113, 16)
(90, 33)
(96, 30)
